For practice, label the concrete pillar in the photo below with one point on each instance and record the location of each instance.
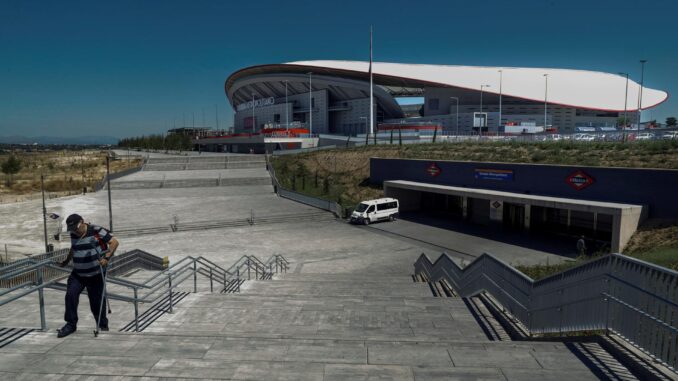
(527, 216)
(569, 215)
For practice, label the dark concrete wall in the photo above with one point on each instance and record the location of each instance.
(658, 189)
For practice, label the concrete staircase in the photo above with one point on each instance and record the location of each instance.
(311, 327)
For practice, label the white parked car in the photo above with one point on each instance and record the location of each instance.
(645, 136)
(584, 138)
(670, 135)
(375, 210)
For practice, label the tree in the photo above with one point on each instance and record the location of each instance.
(11, 167)
(622, 121)
(671, 121)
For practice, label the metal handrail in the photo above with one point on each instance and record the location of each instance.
(629, 297)
(157, 285)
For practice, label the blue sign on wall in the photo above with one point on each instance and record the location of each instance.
(494, 174)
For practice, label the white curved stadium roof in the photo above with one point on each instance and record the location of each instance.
(573, 88)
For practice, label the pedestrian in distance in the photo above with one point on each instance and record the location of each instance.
(581, 246)
(91, 250)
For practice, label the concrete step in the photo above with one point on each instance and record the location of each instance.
(329, 288)
(41, 355)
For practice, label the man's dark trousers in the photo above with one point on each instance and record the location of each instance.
(95, 287)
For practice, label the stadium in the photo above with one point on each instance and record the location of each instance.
(333, 97)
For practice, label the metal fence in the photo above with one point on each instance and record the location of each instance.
(330, 206)
(634, 299)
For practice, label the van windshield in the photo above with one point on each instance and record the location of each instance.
(361, 207)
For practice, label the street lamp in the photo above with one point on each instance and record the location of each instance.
(501, 72)
(626, 97)
(252, 112)
(287, 110)
(310, 103)
(457, 114)
(640, 97)
(546, 92)
(480, 129)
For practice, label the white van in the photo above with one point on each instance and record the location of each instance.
(375, 210)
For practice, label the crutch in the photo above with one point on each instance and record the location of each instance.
(103, 296)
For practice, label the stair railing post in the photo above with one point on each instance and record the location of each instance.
(248, 269)
(169, 282)
(136, 311)
(211, 283)
(270, 268)
(238, 278)
(195, 276)
(41, 299)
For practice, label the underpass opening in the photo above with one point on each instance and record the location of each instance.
(606, 226)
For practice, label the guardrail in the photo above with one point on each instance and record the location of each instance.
(331, 206)
(120, 264)
(633, 299)
(154, 288)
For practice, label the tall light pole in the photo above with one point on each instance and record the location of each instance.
(252, 112)
(44, 211)
(626, 96)
(546, 93)
(640, 97)
(216, 115)
(371, 88)
(457, 114)
(108, 186)
(501, 72)
(310, 103)
(480, 129)
(287, 110)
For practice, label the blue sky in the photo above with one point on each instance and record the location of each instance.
(128, 68)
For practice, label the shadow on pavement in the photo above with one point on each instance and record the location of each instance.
(553, 244)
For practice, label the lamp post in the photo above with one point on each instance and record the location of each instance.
(216, 115)
(310, 103)
(546, 92)
(252, 112)
(44, 211)
(640, 97)
(457, 114)
(480, 129)
(287, 110)
(501, 72)
(626, 97)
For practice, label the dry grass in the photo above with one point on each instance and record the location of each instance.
(66, 172)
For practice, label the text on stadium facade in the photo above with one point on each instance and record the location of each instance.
(256, 103)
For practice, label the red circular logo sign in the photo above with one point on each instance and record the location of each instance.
(579, 180)
(433, 170)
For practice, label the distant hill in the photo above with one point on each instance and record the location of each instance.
(78, 140)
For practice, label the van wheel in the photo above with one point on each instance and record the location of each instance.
(392, 217)
(366, 221)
